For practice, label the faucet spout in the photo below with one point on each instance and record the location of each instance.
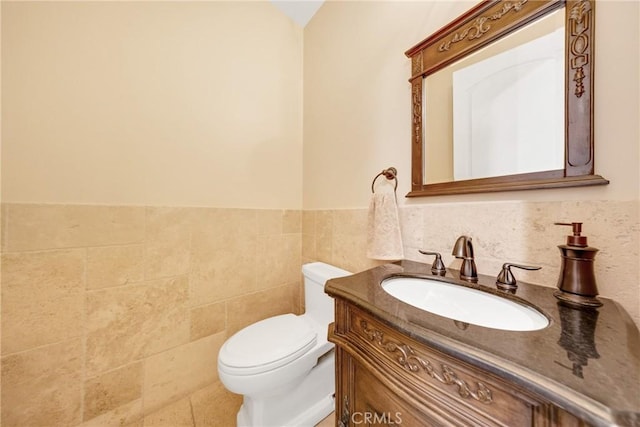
(463, 249)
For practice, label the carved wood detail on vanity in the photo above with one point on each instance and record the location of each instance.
(343, 421)
(385, 373)
(408, 359)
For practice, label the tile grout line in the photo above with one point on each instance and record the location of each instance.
(193, 415)
(84, 336)
(144, 357)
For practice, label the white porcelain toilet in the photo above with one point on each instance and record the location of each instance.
(284, 365)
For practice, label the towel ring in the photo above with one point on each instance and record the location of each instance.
(389, 173)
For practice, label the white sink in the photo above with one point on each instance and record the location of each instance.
(465, 304)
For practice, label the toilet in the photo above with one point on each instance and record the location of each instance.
(284, 366)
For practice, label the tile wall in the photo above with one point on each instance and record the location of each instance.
(511, 231)
(114, 315)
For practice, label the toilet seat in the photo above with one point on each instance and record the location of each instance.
(266, 345)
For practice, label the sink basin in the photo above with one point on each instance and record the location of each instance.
(465, 304)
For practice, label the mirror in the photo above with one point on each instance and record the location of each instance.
(499, 111)
(502, 99)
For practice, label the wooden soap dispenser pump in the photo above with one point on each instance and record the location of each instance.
(577, 281)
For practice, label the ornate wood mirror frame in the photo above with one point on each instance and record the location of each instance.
(483, 24)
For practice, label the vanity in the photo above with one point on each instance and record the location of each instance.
(397, 364)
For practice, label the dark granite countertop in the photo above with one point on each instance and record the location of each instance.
(587, 361)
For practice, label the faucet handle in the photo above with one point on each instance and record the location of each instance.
(438, 266)
(506, 281)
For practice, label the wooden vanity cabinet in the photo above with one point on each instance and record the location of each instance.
(384, 377)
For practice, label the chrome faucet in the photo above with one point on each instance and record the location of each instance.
(463, 249)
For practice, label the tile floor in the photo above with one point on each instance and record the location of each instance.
(328, 422)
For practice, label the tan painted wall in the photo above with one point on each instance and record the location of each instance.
(152, 103)
(357, 101)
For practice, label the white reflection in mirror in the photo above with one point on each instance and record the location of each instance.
(508, 111)
(499, 111)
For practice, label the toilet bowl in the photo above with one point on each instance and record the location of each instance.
(284, 365)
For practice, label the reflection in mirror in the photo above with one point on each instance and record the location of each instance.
(502, 99)
(499, 111)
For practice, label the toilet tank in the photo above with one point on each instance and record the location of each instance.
(319, 305)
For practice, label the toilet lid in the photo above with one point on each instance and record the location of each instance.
(267, 345)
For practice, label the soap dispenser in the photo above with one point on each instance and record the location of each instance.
(577, 281)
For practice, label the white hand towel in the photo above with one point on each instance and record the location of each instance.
(384, 241)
